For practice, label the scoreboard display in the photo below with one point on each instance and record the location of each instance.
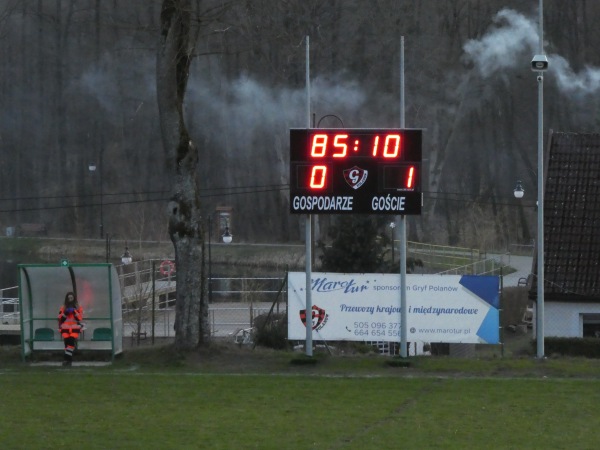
(358, 171)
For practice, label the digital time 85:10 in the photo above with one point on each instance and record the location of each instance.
(387, 146)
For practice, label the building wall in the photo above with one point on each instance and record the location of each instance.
(565, 319)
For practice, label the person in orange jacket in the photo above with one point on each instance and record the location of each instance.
(69, 324)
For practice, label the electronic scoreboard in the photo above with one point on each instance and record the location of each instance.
(364, 171)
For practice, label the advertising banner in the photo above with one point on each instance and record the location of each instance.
(366, 307)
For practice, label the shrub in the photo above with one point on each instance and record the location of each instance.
(586, 347)
(271, 331)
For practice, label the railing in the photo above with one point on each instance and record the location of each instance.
(484, 267)
(149, 303)
(523, 249)
(9, 306)
(442, 256)
(236, 302)
(141, 272)
(245, 289)
(142, 319)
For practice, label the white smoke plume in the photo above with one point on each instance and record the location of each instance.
(586, 81)
(504, 45)
(512, 41)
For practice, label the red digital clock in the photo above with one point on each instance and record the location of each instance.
(336, 171)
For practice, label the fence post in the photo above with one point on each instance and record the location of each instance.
(501, 312)
(153, 296)
(137, 274)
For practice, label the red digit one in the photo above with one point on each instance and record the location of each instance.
(409, 178)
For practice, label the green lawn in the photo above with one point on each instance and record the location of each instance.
(140, 406)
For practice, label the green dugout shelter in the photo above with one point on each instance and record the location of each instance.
(42, 290)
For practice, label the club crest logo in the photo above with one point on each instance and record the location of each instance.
(319, 317)
(355, 177)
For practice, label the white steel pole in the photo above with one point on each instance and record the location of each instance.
(540, 201)
(308, 226)
(402, 231)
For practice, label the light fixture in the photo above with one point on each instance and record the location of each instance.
(227, 236)
(519, 191)
(126, 258)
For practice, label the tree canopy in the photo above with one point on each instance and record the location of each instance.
(78, 85)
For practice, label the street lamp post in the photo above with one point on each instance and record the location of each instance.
(108, 242)
(92, 168)
(539, 64)
(209, 260)
(227, 237)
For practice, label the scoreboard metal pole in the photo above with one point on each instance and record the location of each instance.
(403, 308)
(308, 228)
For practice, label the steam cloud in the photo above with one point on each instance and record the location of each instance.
(501, 47)
(247, 101)
(506, 45)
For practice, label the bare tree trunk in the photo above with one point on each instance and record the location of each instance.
(185, 224)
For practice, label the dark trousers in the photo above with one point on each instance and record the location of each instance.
(70, 343)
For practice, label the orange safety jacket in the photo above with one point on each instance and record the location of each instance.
(69, 323)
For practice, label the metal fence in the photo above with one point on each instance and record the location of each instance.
(488, 266)
(9, 306)
(442, 257)
(148, 293)
(225, 319)
(148, 301)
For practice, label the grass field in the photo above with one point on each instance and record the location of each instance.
(232, 398)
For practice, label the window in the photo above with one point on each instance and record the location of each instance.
(591, 325)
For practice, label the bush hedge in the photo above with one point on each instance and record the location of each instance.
(271, 331)
(585, 347)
